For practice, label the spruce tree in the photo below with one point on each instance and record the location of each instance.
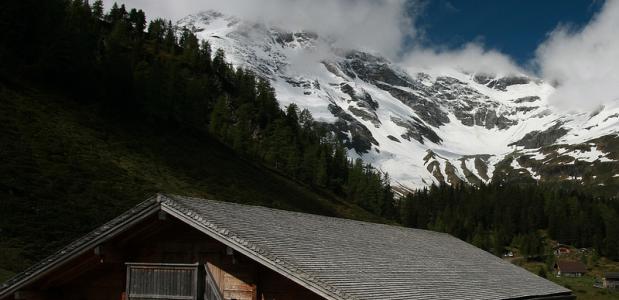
(97, 10)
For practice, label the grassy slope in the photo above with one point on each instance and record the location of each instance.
(64, 170)
(581, 286)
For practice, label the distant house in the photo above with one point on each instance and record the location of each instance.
(173, 247)
(570, 268)
(611, 280)
(562, 250)
(508, 254)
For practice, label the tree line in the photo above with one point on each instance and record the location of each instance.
(497, 216)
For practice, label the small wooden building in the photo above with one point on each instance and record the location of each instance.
(611, 280)
(570, 268)
(173, 247)
(562, 250)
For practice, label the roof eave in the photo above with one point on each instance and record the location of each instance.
(136, 217)
(557, 296)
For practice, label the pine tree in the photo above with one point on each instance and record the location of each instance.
(321, 178)
(219, 63)
(219, 120)
(169, 39)
(97, 9)
(117, 13)
(156, 32)
(388, 209)
(205, 57)
(137, 19)
(479, 238)
(306, 120)
(241, 138)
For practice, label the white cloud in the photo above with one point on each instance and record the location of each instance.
(473, 58)
(374, 25)
(168, 9)
(379, 26)
(584, 63)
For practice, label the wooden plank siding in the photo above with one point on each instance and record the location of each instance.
(101, 274)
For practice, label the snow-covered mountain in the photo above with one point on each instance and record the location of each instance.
(424, 126)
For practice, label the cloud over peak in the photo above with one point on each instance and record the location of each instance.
(472, 58)
(373, 25)
(583, 63)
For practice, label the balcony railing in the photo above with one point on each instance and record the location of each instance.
(147, 281)
(162, 281)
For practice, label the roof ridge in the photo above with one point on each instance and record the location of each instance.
(234, 237)
(397, 226)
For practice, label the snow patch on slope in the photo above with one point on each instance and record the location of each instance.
(472, 115)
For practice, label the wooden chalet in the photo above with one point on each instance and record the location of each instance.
(173, 247)
(570, 268)
(611, 280)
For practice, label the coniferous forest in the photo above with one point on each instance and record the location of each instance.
(132, 71)
(495, 216)
(161, 74)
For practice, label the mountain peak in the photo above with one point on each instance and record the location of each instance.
(422, 126)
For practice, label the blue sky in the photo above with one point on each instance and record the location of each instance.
(513, 27)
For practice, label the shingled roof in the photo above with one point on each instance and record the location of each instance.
(337, 258)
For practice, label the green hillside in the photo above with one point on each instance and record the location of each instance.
(100, 110)
(64, 169)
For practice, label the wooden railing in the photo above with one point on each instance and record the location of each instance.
(162, 281)
(211, 289)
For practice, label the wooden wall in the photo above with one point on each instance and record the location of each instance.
(101, 274)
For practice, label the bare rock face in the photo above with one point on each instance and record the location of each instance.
(393, 138)
(483, 78)
(527, 99)
(428, 111)
(417, 131)
(373, 69)
(294, 39)
(537, 139)
(489, 119)
(360, 139)
(502, 83)
(365, 115)
(364, 100)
